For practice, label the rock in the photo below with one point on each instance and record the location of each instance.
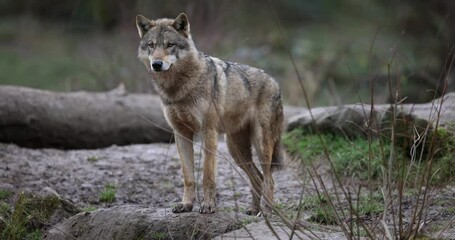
(134, 222)
(261, 230)
(63, 210)
(39, 210)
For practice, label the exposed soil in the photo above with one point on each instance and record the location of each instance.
(149, 176)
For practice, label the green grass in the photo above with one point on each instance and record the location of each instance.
(323, 216)
(46, 57)
(444, 165)
(350, 157)
(353, 157)
(317, 206)
(34, 235)
(28, 215)
(89, 208)
(450, 210)
(4, 194)
(361, 163)
(249, 220)
(93, 159)
(108, 194)
(370, 204)
(320, 210)
(4, 208)
(365, 163)
(158, 235)
(42, 70)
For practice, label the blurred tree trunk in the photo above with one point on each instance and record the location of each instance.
(78, 120)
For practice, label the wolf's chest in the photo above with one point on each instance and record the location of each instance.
(184, 117)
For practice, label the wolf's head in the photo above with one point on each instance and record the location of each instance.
(164, 41)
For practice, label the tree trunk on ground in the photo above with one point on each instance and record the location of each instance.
(79, 120)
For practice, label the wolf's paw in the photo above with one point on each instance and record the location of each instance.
(182, 208)
(252, 212)
(207, 208)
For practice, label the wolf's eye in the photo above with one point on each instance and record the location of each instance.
(169, 45)
(151, 45)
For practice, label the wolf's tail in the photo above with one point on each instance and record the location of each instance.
(277, 156)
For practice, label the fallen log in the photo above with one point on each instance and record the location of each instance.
(357, 119)
(79, 120)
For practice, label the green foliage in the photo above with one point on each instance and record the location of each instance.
(64, 61)
(158, 235)
(350, 157)
(306, 147)
(89, 208)
(370, 204)
(34, 235)
(108, 194)
(360, 159)
(444, 169)
(4, 194)
(324, 216)
(42, 70)
(355, 157)
(4, 208)
(28, 216)
(249, 220)
(313, 201)
(92, 159)
(444, 164)
(320, 210)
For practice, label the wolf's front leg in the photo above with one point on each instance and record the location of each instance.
(210, 140)
(186, 152)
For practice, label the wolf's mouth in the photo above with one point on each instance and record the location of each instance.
(159, 66)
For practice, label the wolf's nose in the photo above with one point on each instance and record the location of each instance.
(157, 64)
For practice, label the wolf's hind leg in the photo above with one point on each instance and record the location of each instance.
(264, 144)
(239, 145)
(186, 152)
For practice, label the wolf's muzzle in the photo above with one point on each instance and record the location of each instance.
(157, 65)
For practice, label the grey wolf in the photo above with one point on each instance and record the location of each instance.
(206, 96)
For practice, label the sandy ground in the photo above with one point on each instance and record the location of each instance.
(148, 175)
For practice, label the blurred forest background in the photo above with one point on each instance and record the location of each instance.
(341, 48)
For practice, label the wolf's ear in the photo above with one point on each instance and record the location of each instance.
(143, 25)
(182, 25)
